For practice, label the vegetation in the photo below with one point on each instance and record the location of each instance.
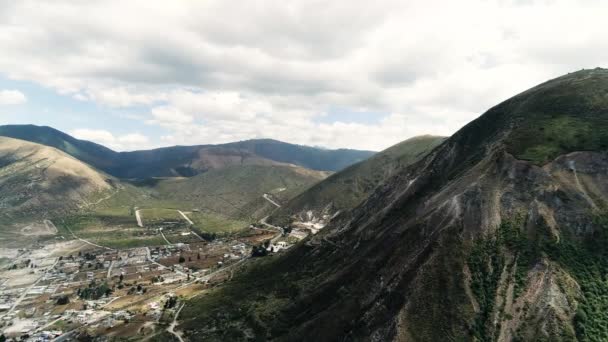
(560, 116)
(185, 161)
(95, 291)
(349, 187)
(236, 192)
(587, 262)
(211, 223)
(486, 264)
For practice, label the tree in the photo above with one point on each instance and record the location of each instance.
(198, 256)
(182, 259)
(259, 251)
(63, 300)
(121, 278)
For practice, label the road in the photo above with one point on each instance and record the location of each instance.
(171, 328)
(191, 224)
(271, 201)
(50, 226)
(110, 270)
(185, 217)
(25, 292)
(138, 217)
(149, 257)
(279, 229)
(163, 235)
(87, 241)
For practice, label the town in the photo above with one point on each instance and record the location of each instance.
(63, 289)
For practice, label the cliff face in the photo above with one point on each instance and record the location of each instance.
(481, 258)
(486, 238)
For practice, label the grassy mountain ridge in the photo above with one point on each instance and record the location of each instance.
(186, 160)
(33, 177)
(478, 241)
(346, 189)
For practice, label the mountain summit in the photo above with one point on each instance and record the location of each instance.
(500, 233)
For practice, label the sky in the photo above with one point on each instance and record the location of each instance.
(336, 74)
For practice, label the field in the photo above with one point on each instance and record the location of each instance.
(158, 216)
(215, 223)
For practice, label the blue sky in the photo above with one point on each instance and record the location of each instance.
(47, 107)
(350, 74)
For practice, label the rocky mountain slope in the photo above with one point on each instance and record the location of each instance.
(38, 181)
(348, 188)
(499, 234)
(187, 160)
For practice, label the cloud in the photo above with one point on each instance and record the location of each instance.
(12, 97)
(127, 142)
(211, 72)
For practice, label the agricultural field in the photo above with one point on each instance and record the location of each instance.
(214, 223)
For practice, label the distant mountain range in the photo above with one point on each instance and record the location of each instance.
(45, 173)
(186, 160)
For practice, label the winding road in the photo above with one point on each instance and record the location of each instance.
(171, 328)
(271, 201)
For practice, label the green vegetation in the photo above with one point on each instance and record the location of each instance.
(558, 135)
(218, 315)
(158, 216)
(236, 192)
(486, 264)
(587, 262)
(347, 188)
(112, 230)
(94, 291)
(214, 223)
(560, 116)
(488, 257)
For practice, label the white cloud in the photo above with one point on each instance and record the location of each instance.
(210, 71)
(12, 97)
(127, 142)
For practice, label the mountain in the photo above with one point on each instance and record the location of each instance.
(348, 188)
(186, 160)
(236, 191)
(498, 234)
(86, 151)
(38, 182)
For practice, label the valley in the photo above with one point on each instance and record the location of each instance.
(496, 233)
(122, 257)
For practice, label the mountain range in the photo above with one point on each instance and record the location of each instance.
(40, 164)
(186, 160)
(497, 234)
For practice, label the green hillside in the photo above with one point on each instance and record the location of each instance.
(237, 191)
(349, 187)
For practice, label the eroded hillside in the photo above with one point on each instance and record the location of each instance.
(498, 234)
